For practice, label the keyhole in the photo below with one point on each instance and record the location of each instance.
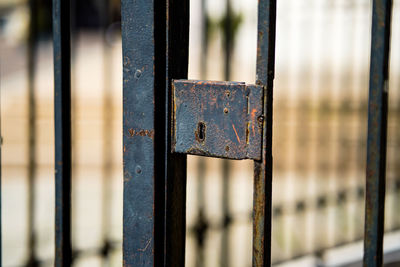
(201, 131)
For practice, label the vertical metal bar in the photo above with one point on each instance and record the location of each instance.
(226, 164)
(201, 223)
(262, 199)
(228, 39)
(155, 50)
(108, 113)
(225, 239)
(140, 235)
(32, 45)
(74, 40)
(377, 133)
(62, 125)
(177, 68)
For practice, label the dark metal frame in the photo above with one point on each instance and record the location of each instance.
(155, 51)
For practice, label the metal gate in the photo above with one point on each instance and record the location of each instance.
(166, 117)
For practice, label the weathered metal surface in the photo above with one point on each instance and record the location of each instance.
(377, 133)
(217, 119)
(62, 126)
(139, 233)
(262, 195)
(154, 179)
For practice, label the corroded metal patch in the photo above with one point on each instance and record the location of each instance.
(217, 119)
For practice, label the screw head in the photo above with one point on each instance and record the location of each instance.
(138, 73)
(138, 169)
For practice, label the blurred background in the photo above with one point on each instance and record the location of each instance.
(320, 126)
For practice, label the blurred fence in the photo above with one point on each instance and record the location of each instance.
(320, 122)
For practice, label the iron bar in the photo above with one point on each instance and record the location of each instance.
(74, 41)
(141, 237)
(262, 199)
(226, 217)
(201, 221)
(177, 35)
(32, 57)
(155, 50)
(201, 226)
(108, 113)
(377, 133)
(62, 126)
(226, 164)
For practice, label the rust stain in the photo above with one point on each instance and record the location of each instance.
(253, 119)
(149, 133)
(213, 101)
(127, 176)
(253, 114)
(248, 132)
(237, 136)
(248, 104)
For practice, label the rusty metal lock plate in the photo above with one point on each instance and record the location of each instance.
(217, 119)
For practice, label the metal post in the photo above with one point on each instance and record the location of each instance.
(226, 164)
(201, 225)
(262, 199)
(62, 125)
(32, 48)
(107, 130)
(155, 50)
(377, 133)
(177, 68)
